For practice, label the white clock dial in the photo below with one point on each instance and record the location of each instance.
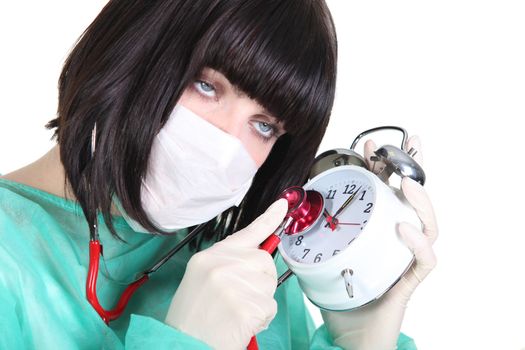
(322, 241)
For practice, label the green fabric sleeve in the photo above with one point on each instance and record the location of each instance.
(146, 333)
(12, 336)
(404, 342)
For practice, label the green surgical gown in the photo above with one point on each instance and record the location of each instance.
(44, 246)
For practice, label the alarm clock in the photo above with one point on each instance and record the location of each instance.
(351, 255)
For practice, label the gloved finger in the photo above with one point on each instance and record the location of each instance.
(257, 260)
(249, 290)
(252, 281)
(414, 142)
(418, 198)
(421, 247)
(255, 309)
(369, 148)
(261, 228)
(374, 166)
(261, 319)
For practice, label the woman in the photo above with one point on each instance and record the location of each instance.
(171, 114)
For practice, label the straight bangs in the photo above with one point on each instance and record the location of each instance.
(279, 53)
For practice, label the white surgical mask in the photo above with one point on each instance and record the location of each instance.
(196, 171)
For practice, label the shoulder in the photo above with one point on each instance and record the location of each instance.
(10, 199)
(27, 236)
(19, 197)
(26, 215)
(16, 210)
(14, 196)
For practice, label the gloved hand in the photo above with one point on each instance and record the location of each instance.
(226, 294)
(376, 326)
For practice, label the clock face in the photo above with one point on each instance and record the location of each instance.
(349, 196)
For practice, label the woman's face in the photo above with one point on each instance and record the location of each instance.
(213, 97)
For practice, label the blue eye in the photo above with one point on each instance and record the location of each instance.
(265, 130)
(204, 88)
(265, 126)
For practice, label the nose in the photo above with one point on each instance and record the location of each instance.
(232, 120)
(230, 127)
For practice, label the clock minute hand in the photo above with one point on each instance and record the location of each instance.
(347, 202)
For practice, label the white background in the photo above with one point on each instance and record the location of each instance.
(452, 72)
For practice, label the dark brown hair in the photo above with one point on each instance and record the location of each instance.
(131, 65)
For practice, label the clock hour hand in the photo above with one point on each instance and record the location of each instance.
(330, 220)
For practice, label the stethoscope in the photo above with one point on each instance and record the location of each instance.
(95, 250)
(304, 208)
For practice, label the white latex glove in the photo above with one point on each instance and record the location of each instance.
(376, 326)
(226, 294)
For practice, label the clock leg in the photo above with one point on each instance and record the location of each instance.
(347, 275)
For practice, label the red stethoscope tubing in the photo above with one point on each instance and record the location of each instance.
(91, 286)
(269, 245)
(95, 250)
